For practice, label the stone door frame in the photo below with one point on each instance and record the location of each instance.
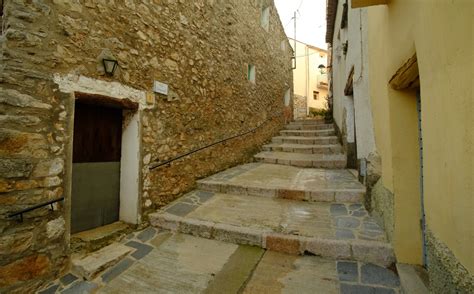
(130, 163)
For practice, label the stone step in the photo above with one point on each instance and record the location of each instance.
(306, 140)
(303, 160)
(309, 127)
(302, 148)
(309, 133)
(332, 230)
(92, 264)
(280, 181)
(308, 122)
(95, 239)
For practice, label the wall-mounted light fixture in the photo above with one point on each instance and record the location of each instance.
(110, 65)
(322, 68)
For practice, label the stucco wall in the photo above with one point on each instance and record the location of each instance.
(434, 31)
(201, 49)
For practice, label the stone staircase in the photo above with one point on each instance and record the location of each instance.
(288, 202)
(305, 144)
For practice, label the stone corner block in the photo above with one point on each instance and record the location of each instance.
(197, 228)
(373, 252)
(336, 249)
(237, 235)
(165, 221)
(284, 243)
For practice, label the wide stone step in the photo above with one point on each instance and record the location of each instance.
(280, 181)
(308, 122)
(306, 140)
(303, 160)
(303, 148)
(333, 230)
(309, 127)
(309, 133)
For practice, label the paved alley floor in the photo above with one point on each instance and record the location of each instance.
(164, 262)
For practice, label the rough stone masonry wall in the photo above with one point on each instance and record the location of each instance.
(447, 274)
(300, 107)
(200, 48)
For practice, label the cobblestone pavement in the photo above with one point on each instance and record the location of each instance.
(163, 262)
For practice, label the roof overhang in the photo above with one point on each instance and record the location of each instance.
(331, 12)
(407, 76)
(366, 3)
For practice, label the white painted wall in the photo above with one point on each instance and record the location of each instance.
(358, 56)
(356, 109)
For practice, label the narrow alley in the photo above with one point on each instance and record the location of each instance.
(231, 146)
(265, 227)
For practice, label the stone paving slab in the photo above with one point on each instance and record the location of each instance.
(327, 140)
(181, 264)
(304, 148)
(303, 160)
(410, 279)
(186, 264)
(334, 230)
(282, 273)
(272, 180)
(309, 133)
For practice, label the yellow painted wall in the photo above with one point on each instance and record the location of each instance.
(306, 75)
(441, 34)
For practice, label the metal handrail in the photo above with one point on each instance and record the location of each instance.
(166, 162)
(21, 212)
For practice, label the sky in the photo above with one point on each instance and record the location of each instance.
(310, 20)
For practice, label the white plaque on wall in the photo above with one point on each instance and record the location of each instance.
(160, 88)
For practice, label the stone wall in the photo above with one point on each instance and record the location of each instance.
(447, 274)
(382, 207)
(300, 107)
(201, 49)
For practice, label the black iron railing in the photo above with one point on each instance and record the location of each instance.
(167, 162)
(21, 212)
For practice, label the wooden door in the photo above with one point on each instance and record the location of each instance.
(96, 166)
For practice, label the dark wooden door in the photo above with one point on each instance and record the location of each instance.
(96, 166)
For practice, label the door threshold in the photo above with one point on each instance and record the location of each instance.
(97, 238)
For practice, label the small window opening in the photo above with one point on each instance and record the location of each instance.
(287, 97)
(1, 16)
(344, 16)
(283, 45)
(251, 73)
(265, 18)
(315, 95)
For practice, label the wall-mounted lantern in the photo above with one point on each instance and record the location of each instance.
(110, 65)
(322, 68)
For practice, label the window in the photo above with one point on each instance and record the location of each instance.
(344, 16)
(287, 97)
(315, 95)
(251, 73)
(1, 17)
(265, 18)
(283, 45)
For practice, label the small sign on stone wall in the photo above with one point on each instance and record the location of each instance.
(160, 88)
